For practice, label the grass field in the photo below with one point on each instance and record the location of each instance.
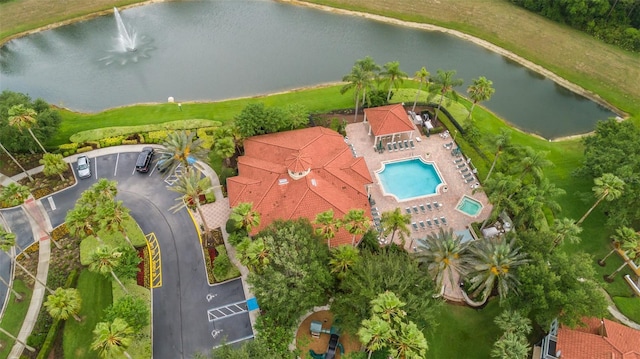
(96, 293)
(13, 316)
(603, 69)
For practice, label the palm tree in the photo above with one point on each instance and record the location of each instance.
(607, 187)
(534, 163)
(502, 140)
(355, 223)
(620, 238)
(357, 80)
(112, 340)
(511, 346)
(371, 70)
(7, 239)
(64, 303)
(422, 75)
(513, 321)
(14, 194)
(179, 147)
(444, 83)
(374, 333)
(253, 254)
(443, 253)
(492, 264)
(16, 162)
(102, 191)
(244, 214)
(394, 221)
(410, 342)
(531, 201)
(326, 225)
(113, 216)
(81, 222)
(54, 164)
(23, 117)
(105, 260)
(343, 258)
(631, 249)
(191, 185)
(565, 228)
(394, 76)
(225, 148)
(7, 242)
(499, 190)
(29, 348)
(480, 90)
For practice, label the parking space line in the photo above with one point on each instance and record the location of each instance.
(95, 167)
(115, 170)
(153, 170)
(51, 203)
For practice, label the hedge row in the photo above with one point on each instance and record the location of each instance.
(53, 331)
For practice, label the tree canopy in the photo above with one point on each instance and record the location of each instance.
(258, 119)
(297, 276)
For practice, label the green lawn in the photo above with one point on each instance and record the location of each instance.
(96, 293)
(629, 306)
(13, 316)
(463, 332)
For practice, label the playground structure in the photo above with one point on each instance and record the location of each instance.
(317, 330)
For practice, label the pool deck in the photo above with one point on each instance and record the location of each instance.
(438, 154)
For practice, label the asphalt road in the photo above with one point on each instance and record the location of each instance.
(189, 315)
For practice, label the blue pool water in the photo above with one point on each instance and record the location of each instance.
(469, 206)
(409, 179)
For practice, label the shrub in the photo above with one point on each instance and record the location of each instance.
(134, 310)
(129, 142)
(158, 135)
(237, 237)
(84, 149)
(223, 269)
(111, 141)
(60, 232)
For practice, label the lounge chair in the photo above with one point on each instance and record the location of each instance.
(437, 205)
(470, 179)
(395, 148)
(444, 221)
(460, 165)
(435, 220)
(415, 210)
(415, 226)
(466, 169)
(422, 208)
(429, 206)
(411, 144)
(408, 210)
(429, 223)
(406, 144)
(374, 209)
(448, 145)
(458, 161)
(389, 147)
(422, 225)
(400, 145)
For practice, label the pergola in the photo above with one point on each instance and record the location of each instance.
(388, 122)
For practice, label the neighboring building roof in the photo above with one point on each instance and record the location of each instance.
(387, 120)
(600, 339)
(336, 179)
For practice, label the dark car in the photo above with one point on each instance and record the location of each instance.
(144, 159)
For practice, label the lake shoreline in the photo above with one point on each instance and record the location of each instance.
(480, 42)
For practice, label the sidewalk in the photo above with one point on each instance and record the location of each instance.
(216, 215)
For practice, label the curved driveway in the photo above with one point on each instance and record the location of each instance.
(182, 306)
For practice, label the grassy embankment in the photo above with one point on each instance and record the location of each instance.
(600, 68)
(14, 316)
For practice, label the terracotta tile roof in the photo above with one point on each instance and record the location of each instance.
(337, 180)
(387, 120)
(599, 340)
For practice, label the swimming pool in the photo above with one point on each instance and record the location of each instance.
(469, 206)
(409, 179)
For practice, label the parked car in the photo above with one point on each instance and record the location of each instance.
(83, 165)
(144, 159)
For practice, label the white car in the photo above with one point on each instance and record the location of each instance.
(84, 167)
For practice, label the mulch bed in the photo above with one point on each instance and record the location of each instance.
(319, 345)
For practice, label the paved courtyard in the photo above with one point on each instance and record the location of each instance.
(430, 149)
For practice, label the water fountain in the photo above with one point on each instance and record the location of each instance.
(127, 41)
